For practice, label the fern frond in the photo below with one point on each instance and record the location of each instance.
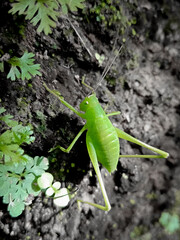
(23, 67)
(44, 12)
(73, 5)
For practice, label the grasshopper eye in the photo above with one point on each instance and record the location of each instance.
(86, 102)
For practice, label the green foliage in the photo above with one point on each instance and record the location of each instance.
(133, 62)
(110, 12)
(23, 67)
(44, 12)
(151, 196)
(100, 58)
(1, 61)
(12, 139)
(2, 66)
(42, 127)
(19, 172)
(72, 5)
(170, 222)
(140, 233)
(18, 181)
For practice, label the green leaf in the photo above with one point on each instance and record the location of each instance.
(133, 32)
(6, 137)
(42, 12)
(11, 140)
(22, 134)
(13, 153)
(73, 5)
(15, 208)
(21, 193)
(14, 73)
(10, 191)
(18, 181)
(4, 188)
(38, 166)
(7, 118)
(9, 150)
(2, 66)
(23, 67)
(8, 121)
(28, 184)
(2, 110)
(170, 222)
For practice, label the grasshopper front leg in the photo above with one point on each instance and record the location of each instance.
(73, 142)
(113, 113)
(93, 157)
(61, 99)
(123, 135)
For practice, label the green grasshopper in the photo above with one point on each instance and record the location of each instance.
(102, 140)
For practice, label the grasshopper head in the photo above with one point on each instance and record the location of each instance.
(88, 102)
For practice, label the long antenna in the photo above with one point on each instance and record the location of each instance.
(108, 67)
(88, 50)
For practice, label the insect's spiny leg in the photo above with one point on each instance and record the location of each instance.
(73, 142)
(125, 136)
(141, 156)
(113, 113)
(93, 157)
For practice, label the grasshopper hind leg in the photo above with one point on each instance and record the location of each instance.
(161, 154)
(93, 157)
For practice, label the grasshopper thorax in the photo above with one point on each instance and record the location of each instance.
(89, 102)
